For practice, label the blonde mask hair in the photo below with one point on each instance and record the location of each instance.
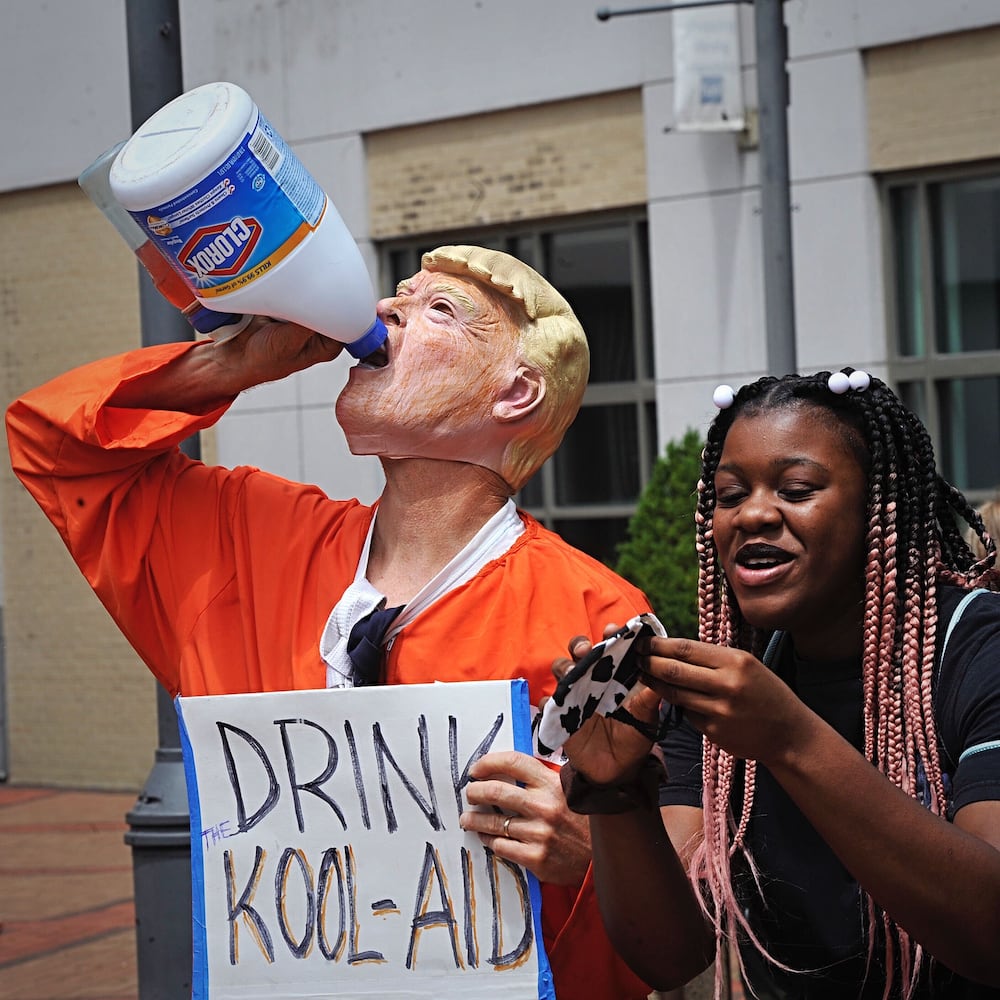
(551, 343)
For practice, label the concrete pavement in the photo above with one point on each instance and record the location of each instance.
(67, 920)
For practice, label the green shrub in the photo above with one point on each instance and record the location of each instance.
(658, 554)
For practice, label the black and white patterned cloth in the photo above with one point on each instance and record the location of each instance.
(598, 683)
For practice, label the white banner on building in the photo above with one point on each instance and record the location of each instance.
(708, 88)
(326, 852)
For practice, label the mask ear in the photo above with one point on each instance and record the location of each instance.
(525, 392)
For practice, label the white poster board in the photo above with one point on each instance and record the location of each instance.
(327, 857)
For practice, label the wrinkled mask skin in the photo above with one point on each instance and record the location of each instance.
(449, 381)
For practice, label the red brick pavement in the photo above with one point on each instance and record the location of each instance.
(67, 920)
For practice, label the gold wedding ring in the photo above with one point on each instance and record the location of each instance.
(506, 826)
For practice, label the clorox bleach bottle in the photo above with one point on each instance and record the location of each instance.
(232, 208)
(95, 184)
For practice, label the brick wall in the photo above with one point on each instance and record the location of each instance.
(81, 707)
(934, 100)
(542, 161)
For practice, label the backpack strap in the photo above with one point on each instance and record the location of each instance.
(772, 647)
(992, 744)
(955, 616)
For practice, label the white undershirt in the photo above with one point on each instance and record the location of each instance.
(492, 540)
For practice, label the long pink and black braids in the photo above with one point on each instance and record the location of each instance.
(914, 541)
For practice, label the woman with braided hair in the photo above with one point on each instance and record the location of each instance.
(831, 801)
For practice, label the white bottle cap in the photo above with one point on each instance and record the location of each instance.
(180, 144)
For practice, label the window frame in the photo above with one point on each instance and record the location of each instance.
(930, 368)
(639, 392)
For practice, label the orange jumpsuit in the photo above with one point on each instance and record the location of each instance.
(223, 581)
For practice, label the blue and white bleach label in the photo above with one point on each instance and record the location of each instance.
(240, 220)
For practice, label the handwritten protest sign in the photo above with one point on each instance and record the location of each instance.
(327, 856)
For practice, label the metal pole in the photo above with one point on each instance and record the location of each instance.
(606, 13)
(159, 823)
(775, 186)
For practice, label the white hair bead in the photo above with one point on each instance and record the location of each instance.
(860, 380)
(723, 396)
(839, 383)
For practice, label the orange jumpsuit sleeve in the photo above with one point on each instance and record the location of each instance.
(138, 517)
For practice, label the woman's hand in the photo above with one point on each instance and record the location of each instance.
(727, 694)
(535, 828)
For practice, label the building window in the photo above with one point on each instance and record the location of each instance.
(588, 490)
(945, 263)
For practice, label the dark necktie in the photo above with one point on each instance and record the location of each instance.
(364, 645)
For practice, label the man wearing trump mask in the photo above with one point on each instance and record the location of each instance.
(231, 581)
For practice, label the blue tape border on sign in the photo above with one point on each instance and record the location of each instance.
(199, 972)
(521, 720)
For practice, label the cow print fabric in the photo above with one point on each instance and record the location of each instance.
(598, 683)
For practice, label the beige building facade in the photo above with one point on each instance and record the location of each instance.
(80, 707)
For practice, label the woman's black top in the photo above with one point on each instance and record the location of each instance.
(812, 915)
